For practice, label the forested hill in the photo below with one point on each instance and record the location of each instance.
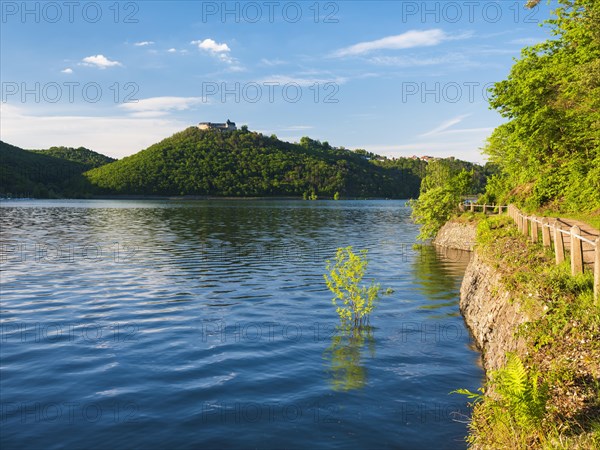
(214, 163)
(244, 163)
(40, 174)
(86, 157)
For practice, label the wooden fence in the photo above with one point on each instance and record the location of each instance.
(552, 235)
(473, 207)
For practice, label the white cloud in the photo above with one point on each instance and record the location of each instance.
(211, 46)
(410, 39)
(220, 52)
(161, 106)
(67, 70)
(445, 125)
(272, 62)
(172, 50)
(526, 41)
(487, 51)
(419, 61)
(143, 43)
(301, 81)
(128, 134)
(100, 61)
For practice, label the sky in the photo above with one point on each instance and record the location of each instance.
(397, 78)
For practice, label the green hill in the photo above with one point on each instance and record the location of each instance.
(243, 163)
(56, 172)
(82, 155)
(25, 173)
(214, 163)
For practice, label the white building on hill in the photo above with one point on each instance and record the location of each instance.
(227, 126)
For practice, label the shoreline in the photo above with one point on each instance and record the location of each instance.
(512, 301)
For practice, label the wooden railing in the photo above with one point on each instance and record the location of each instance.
(552, 234)
(473, 207)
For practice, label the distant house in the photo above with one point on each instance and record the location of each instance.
(423, 158)
(227, 126)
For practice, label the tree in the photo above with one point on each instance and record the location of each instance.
(549, 150)
(438, 200)
(354, 301)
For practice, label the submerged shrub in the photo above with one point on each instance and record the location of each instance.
(354, 302)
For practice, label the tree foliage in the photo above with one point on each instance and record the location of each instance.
(197, 162)
(549, 149)
(49, 173)
(86, 157)
(353, 301)
(442, 189)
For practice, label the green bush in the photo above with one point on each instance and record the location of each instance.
(439, 199)
(354, 302)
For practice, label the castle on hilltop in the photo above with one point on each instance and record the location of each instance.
(227, 126)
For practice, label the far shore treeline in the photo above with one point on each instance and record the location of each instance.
(238, 163)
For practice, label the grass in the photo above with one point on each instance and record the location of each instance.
(549, 397)
(469, 217)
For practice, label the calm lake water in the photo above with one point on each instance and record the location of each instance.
(207, 324)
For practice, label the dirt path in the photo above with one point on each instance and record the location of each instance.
(587, 231)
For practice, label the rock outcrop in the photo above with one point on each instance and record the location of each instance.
(485, 304)
(458, 235)
(489, 313)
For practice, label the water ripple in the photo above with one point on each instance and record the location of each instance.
(207, 325)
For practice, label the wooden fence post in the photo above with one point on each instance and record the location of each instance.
(597, 273)
(576, 251)
(461, 206)
(545, 233)
(484, 208)
(472, 207)
(559, 244)
(534, 229)
(525, 226)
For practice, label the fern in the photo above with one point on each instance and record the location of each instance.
(475, 396)
(520, 392)
(519, 403)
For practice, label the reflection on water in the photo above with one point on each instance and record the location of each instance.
(348, 369)
(438, 273)
(206, 324)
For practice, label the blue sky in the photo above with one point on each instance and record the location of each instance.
(394, 77)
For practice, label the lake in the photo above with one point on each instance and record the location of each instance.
(207, 324)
